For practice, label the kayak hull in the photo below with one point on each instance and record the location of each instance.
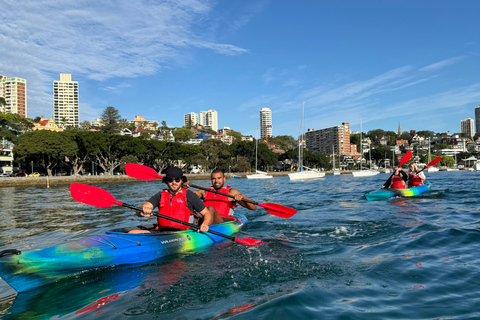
(385, 194)
(34, 268)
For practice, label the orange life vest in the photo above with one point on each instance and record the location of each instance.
(221, 203)
(175, 207)
(414, 180)
(397, 183)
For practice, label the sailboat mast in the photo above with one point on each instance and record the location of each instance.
(361, 146)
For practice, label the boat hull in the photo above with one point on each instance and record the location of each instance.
(385, 194)
(34, 268)
(365, 173)
(304, 175)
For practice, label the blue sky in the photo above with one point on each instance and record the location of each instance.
(385, 62)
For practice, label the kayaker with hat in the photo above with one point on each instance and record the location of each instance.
(220, 204)
(179, 203)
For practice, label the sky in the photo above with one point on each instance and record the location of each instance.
(372, 63)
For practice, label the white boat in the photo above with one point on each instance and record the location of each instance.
(258, 174)
(303, 172)
(361, 172)
(335, 171)
(365, 173)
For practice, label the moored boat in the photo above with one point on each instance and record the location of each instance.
(30, 269)
(384, 194)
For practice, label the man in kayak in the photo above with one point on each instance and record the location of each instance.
(179, 203)
(219, 204)
(415, 178)
(397, 179)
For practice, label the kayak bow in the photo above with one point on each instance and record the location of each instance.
(30, 269)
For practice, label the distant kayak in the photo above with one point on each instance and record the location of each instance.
(384, 194)
(30, 269)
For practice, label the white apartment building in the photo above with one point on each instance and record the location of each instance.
(265, 123)
(65, 101)
(467, 127)
(209, 119)
(14, 91)
(190, 119)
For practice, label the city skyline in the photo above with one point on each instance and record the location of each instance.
(382, 62)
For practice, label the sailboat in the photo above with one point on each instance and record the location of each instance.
(432, 168)
(303, 172)
(361, 172)
(258, 174)
(336, 172)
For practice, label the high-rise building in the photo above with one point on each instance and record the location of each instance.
(334, 139)
(467, 127)
(209, 119)
(65, 101)
(265, 123)
(477, 119)
(190, 119)
(14, 91)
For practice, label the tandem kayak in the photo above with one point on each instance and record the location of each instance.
(34, 268)
(384, 194)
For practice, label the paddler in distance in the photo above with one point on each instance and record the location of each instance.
(179, 203)
(219, 204)
(397, 180)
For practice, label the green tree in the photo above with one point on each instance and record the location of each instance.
(405, 136)
(110, 119)
(426, 133)
(447, 161)
(284, 142)
(236, 135)
(63, 122)
(123, 124)
(11, 124)
(183, 134)
(86, 126)
(47, 148)
(216, 154)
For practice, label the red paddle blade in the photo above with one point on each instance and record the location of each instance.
(249, 241)
(278, 210)
(434, 162)
(92, 195)
(141, 172)
(406, 157)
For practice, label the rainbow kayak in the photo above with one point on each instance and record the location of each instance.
(30, 269)
(384, 194)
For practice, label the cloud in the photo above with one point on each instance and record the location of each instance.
(99, 40)
(442, 64)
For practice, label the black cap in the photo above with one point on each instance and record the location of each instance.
(174, 172)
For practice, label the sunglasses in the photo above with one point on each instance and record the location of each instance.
(170, 180)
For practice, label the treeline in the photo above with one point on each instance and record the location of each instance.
(78, 151)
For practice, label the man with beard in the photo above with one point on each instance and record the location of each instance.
(179, 203)
(219, 204)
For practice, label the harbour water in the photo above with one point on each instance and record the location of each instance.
(339, 257)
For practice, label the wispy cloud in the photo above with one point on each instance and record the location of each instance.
(442, 64)
(98, 39)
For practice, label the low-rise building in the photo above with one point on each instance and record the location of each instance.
(46, 124)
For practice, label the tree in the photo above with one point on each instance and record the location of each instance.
(110, 119)
(183, 134)
(283, 142)
(216, 154)
(11, 124)
(86, 126)
(426, 133)
(405, 136)
(236, 135)
(47, 148)
(3, 103)
(448, 161)
(64, 122)
(123, 123)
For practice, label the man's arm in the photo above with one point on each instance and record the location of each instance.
(238, 198)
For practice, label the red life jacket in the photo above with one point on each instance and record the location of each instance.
(175, 207)
(414, 180)
(397, 183)
(221, 203)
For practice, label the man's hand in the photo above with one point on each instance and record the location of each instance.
(204, 227)
(238, 197)
(147, 210)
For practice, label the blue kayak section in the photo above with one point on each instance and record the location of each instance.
(385, 194)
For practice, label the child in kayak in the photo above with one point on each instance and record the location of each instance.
(397, 180)
(415, 178)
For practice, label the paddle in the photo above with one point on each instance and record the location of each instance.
(100, 198)
(146, 173)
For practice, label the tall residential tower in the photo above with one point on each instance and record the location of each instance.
(65, 101)
(477, 119)
(265, 123)
(14, 91)
(209, 119)
(467, 127)
(190, 119)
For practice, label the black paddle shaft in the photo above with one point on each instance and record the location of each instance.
(126, 205)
